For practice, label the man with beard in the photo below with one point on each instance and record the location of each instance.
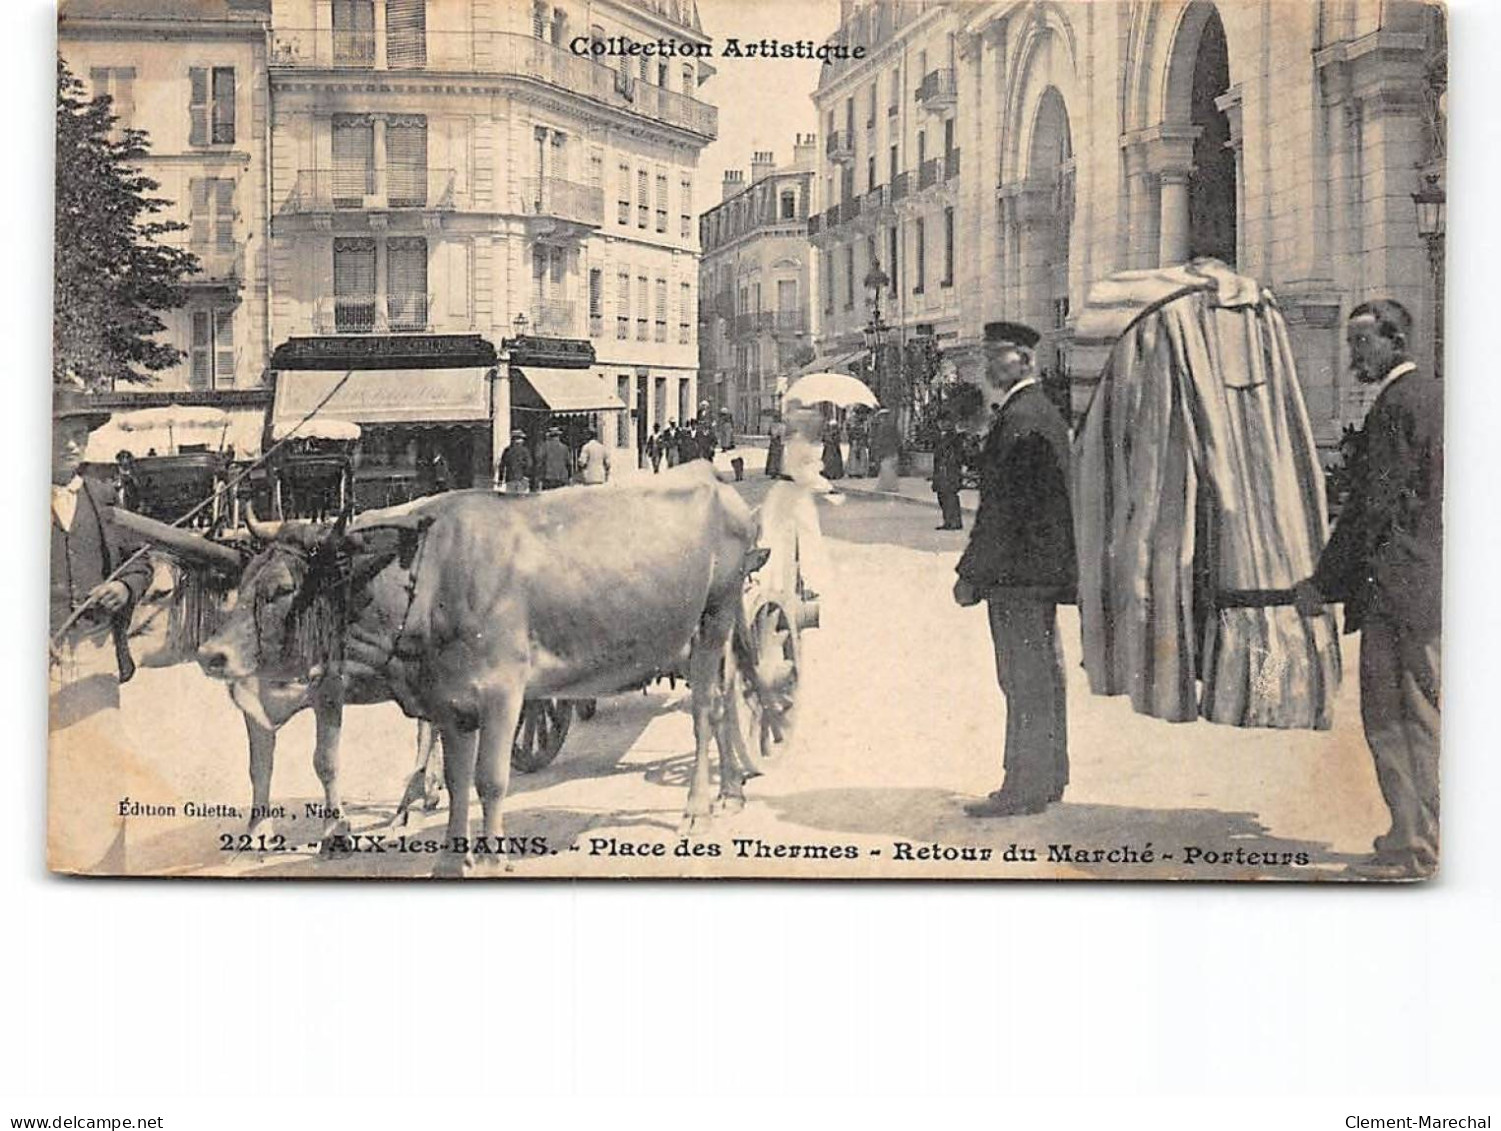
(1385, 562)
(1020, 560)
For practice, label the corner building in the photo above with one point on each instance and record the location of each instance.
(1287, 139)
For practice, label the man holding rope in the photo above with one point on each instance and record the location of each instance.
(88, 616)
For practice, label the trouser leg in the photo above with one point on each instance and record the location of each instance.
(949, 502)
(1399, 707)
(1030, 671)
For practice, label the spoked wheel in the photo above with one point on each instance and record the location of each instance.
(540, 733)
(765, 725)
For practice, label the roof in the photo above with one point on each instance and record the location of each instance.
(186, 10)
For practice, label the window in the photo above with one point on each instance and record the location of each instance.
(623, 215)
(212, 356)
(354, 160)
(643, 203)
(622, 306)
(354, 286)
(870, 110)
(870, 173)
(118, 85)
(849, 277)
(686, 208)
(596, 169)
(920, 253)
(211, 109)
(948, 136)
(789, 205)
(922, 147)
(354, 33)
(642, 298)
(662, 202)
(596, 302)
(541, 18)
(893, 260)
(406, 34)
(661, 310)
(685, 312)
(688, 83)
(891, 178)
(948, 248)
(406, 283)
(849, 121)
(211, 215)
(894, 107)
(406, 156)
(827, 273)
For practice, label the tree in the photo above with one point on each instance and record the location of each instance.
(111, 276)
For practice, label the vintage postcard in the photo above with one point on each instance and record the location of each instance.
(713, 438)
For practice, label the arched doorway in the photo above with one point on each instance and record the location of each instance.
(1050, 174)
(1212, 181)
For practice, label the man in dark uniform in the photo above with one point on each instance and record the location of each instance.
(515, 472)
(948, 472)
(88, 617)
(553, 461)
(1020, 560)
(1385, 562)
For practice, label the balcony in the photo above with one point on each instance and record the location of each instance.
(839, 147)
(831, 217)
(876, 200)
(365, 188)
(951, 164)
(899, 187)
(788, 322)
(555, 318)
(489, 53)
(557, 199)
(937, 91)
(815, 222)
(374, 314)
(849, 210)
(928, 173)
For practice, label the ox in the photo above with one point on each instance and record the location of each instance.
(465, 604)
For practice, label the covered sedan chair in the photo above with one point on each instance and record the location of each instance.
(1199, 504)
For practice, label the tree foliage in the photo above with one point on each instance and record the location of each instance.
(111, 274)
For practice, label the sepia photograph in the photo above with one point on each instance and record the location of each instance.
(858, 439)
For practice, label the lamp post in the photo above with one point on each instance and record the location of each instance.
(877, 332)
(520, 324)
(1431, 203)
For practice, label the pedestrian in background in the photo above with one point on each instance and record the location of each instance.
(670, 443)
(1020, 560)
(594, 461)
(654, 448)
(515, 471)
(774, 447)
(948, 472)
(1385, 562)
(833, 458)
(554, 461)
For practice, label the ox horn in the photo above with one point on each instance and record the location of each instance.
(261, 531)
(185, 543)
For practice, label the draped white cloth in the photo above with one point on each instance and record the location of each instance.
(1198, 505)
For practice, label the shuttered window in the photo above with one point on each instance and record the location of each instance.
(354, 33)
(596, 302)
(643, 202)
(624, 215)
(685, 209)
(118, 84)
(354, 159)
(406, 34)
(212, 353)
(661, 310)
(406, 156)
(643, 296)
(211, 105)
(406, 283)
(662, 202)
(354, 285)
(685, 312)
(211, 214)
(623, 305)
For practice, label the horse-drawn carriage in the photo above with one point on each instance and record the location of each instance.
(170, 459)
(311, 469)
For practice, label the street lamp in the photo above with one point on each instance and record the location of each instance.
(1431, 203)
(520, 325)
(876, 333)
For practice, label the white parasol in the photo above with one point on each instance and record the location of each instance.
(838, 389)
(317, 428)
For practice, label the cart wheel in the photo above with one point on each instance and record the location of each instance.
(586, 708)
(766, 724)
(540, 733)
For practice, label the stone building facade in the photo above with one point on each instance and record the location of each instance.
(755, 283)
(1285, 139)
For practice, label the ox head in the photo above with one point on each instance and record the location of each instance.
(286, 630)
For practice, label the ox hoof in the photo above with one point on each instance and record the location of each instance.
(335, 840)
(491, 867)
(728, 806)
(452, 866)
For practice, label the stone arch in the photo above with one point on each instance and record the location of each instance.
(1047, 61)
(1047, 241)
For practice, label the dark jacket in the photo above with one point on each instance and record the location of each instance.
(554, 462)
(948, 462)
(1024, 531)
(515, 463)
(83, 556)
(1386, 553)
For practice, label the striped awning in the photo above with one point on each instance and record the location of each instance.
(562, 390)
(382, 396)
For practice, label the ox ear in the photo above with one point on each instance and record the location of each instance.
(755, 558)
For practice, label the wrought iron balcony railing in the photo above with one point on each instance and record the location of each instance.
(357, 187)
(401, 312)
(928, 173)
(899, 187)
(488, 53)
(937, 90)
(555, 318)
(563, 200)
(840, 146)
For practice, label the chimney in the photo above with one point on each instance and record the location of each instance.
(734, 181)
(805, 151)
(763, 164)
